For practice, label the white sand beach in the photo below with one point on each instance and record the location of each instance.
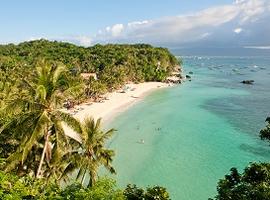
(115, 103)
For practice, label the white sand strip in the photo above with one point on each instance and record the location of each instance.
(117, 102)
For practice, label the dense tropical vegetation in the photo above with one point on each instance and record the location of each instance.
(132, 192)
(37, 157)
(36, 79)
(33, 136)
(114, 64)
(36, 123)
(13, 187)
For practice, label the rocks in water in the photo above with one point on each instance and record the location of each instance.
(249, 82)
(190, 72)
(188, 76)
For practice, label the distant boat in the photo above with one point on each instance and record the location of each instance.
(141, 141)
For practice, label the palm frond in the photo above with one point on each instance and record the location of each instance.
(12, 161)
(66, 171)
(80, 174)
(60, 69)
(20, 123)
(94, 154)
(74, 91)
(109, 133)
(69, 120)
(98, 124)
(60, 143)
(28, 86)
(41, 93)
(60, 133)
(38, 131)
(14, 106)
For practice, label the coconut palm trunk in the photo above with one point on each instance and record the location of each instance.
(45, 148)
(93, 178)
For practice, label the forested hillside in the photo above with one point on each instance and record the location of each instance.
(141, 62)
(114, 65)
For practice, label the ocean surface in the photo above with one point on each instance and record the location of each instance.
(195, 132)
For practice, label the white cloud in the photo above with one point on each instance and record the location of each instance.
(204, 35)
(108, 29)
(115, 30)
(239, 1)
(36, 38)
(207, 24)
(83, 40)
(238, 30)
(80, 40)
(251, 9)
(137, 23)
(258, 47)
(214, 26)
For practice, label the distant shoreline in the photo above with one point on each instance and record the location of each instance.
(115, 103)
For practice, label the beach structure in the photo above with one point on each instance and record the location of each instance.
(88, 75)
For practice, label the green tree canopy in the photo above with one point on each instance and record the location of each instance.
(252, 184)
(36, 121)
(132, 192)
(265, 133)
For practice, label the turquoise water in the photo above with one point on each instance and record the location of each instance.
(194, 133)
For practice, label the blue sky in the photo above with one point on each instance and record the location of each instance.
(171, 23)
(22, 20)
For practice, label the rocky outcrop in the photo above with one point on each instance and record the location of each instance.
(248, 82)
(178, 69)
(174, 80)
(176, 76)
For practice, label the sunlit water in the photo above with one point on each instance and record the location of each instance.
(194, 133)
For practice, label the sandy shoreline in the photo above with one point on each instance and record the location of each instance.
(116, 103)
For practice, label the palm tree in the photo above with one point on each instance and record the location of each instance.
(94, 152)
(37, 120)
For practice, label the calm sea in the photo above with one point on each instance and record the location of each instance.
(195, 132)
